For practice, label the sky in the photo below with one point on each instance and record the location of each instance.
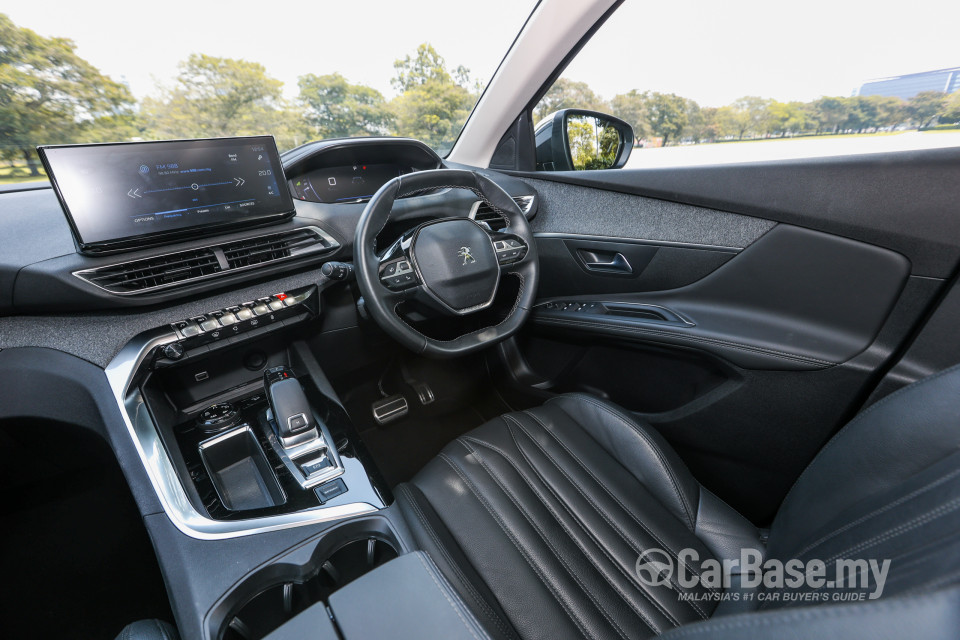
(713, 51)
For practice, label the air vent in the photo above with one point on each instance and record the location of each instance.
(246, 253)
(184, 267)
(154, 273)
(482, 212)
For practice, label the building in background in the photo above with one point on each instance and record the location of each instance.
(907, 86)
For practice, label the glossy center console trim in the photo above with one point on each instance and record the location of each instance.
(122, 376)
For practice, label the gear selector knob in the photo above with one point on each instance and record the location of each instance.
(289, 405)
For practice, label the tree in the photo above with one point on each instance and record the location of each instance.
(951, 110)
(216, 97)
(632, 108)
(888, 109)
(707, 126)
(787, 117)
(338, 109)
(434, 103)
(926, 106)
(666, 114)
(746, 115)
(830, 112)
(49, 94)
(426, 66)
(567, 94)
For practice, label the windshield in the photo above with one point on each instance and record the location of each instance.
(106, 71)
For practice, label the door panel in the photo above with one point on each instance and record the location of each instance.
(795, 299)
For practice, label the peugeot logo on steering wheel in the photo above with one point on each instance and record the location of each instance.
(466, 255)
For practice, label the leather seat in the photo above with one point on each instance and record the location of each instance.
(538, 519)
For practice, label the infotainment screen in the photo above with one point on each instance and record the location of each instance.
(130, 194)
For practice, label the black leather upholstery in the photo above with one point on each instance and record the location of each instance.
(537, 518)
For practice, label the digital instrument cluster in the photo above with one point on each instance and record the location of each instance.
(344, 184)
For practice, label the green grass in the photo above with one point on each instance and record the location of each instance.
(828, 136)
(18, 173)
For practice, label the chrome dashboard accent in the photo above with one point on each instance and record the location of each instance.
(123, 375)
(322, 237)
(524, 202)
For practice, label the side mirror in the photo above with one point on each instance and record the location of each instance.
(580, 140)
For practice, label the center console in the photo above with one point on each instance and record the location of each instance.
(237, 425)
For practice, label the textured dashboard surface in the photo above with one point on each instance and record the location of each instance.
(98, 337)
(579, 210)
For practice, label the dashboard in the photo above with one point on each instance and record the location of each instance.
(44, 270)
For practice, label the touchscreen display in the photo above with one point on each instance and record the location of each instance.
(114, 193)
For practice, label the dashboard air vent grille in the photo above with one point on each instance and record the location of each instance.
(139, 275)
(184, 267)
(277, 246)
(483, 213)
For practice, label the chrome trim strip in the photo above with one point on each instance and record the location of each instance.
(215, 248)
(659, 243)
(122, 375)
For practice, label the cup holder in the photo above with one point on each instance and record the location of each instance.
(257, 616)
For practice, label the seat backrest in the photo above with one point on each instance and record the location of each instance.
(886, 487)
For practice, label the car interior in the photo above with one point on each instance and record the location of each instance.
(392, 394)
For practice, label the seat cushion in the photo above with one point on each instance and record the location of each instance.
(538, 518)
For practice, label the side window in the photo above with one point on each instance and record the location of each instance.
(736, 82)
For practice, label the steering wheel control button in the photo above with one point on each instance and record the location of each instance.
(509, 250)
(457, 263)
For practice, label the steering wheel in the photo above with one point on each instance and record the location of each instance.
(454, 266)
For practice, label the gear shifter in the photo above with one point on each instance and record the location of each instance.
(291, 410)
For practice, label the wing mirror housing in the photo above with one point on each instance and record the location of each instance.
(581, 140)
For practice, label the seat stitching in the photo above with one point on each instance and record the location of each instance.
(484, 605)
(653, 447)
(446, 595)
(510, 535)
(596, 507)
(879, 511)
(516, 503)
(604, 487)
(900, 529)
(846, 429)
